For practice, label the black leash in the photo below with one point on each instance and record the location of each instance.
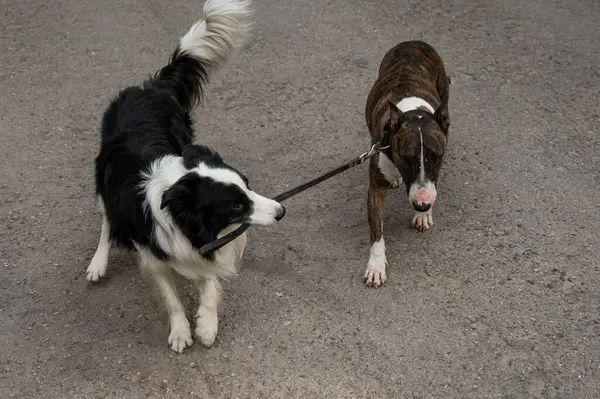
(375, 149)
(384, 144)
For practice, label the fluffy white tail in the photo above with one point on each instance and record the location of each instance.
(216, 37)
(209, 45)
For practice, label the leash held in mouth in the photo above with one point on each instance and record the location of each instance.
(220, 242)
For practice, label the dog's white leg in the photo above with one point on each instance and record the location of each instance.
(97, 267)
(423, 221)
(181, 334)
(207, 321)
(375, 274)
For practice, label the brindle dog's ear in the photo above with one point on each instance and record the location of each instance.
(442, 115)
(396, 117)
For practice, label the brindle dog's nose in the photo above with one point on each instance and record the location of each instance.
(281, 214)
(421, 207)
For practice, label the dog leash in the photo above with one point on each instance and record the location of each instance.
(375, 149)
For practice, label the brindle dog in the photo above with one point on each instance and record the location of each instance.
(408, 109)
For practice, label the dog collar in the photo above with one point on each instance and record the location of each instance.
(414, 103)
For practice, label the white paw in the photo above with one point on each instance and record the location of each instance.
(396, 184)
(207, 325)
(181, 334)
(97, 268)
(375, 273)
(375, 276)
(423, 221)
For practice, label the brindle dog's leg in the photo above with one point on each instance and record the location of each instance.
(375, 273)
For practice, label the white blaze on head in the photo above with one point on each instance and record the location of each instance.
(422, 192)
(421, 158)
(265, 211)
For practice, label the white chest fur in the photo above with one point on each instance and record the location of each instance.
(387, 168)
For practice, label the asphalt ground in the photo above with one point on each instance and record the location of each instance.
(499, 299)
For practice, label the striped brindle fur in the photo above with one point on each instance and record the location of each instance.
(409, 102)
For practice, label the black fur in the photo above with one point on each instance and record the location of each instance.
(141, 125)
(202, 207)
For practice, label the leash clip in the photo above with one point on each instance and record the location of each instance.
(366, 155)
(375, 148)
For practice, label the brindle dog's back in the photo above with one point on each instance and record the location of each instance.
(407, 70)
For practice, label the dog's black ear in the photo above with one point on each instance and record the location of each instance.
(193, 154)
(442, 115)
(176, 192)
(198, 227)
(396, 117)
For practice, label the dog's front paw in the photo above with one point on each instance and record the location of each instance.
(207, 325)
(396, 184)
(423, 221)
(97, 268)
(375, 273)
(181, 334)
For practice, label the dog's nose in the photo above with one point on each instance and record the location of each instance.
(421, 207)
(281, 214)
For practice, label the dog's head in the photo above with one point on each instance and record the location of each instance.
(212, 196)
(418, 143)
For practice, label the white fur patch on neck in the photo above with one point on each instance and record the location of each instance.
(413, 103)
(162, 174)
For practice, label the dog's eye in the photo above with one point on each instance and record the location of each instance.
(435, 158)
(238, 208)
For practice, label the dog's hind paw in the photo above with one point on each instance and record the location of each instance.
(423, 221)
(97, 268)
(181, 335)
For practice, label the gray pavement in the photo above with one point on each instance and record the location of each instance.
(500, 299)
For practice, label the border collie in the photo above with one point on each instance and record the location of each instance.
(166, 197)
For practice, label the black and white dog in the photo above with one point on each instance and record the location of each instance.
(163, 195)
